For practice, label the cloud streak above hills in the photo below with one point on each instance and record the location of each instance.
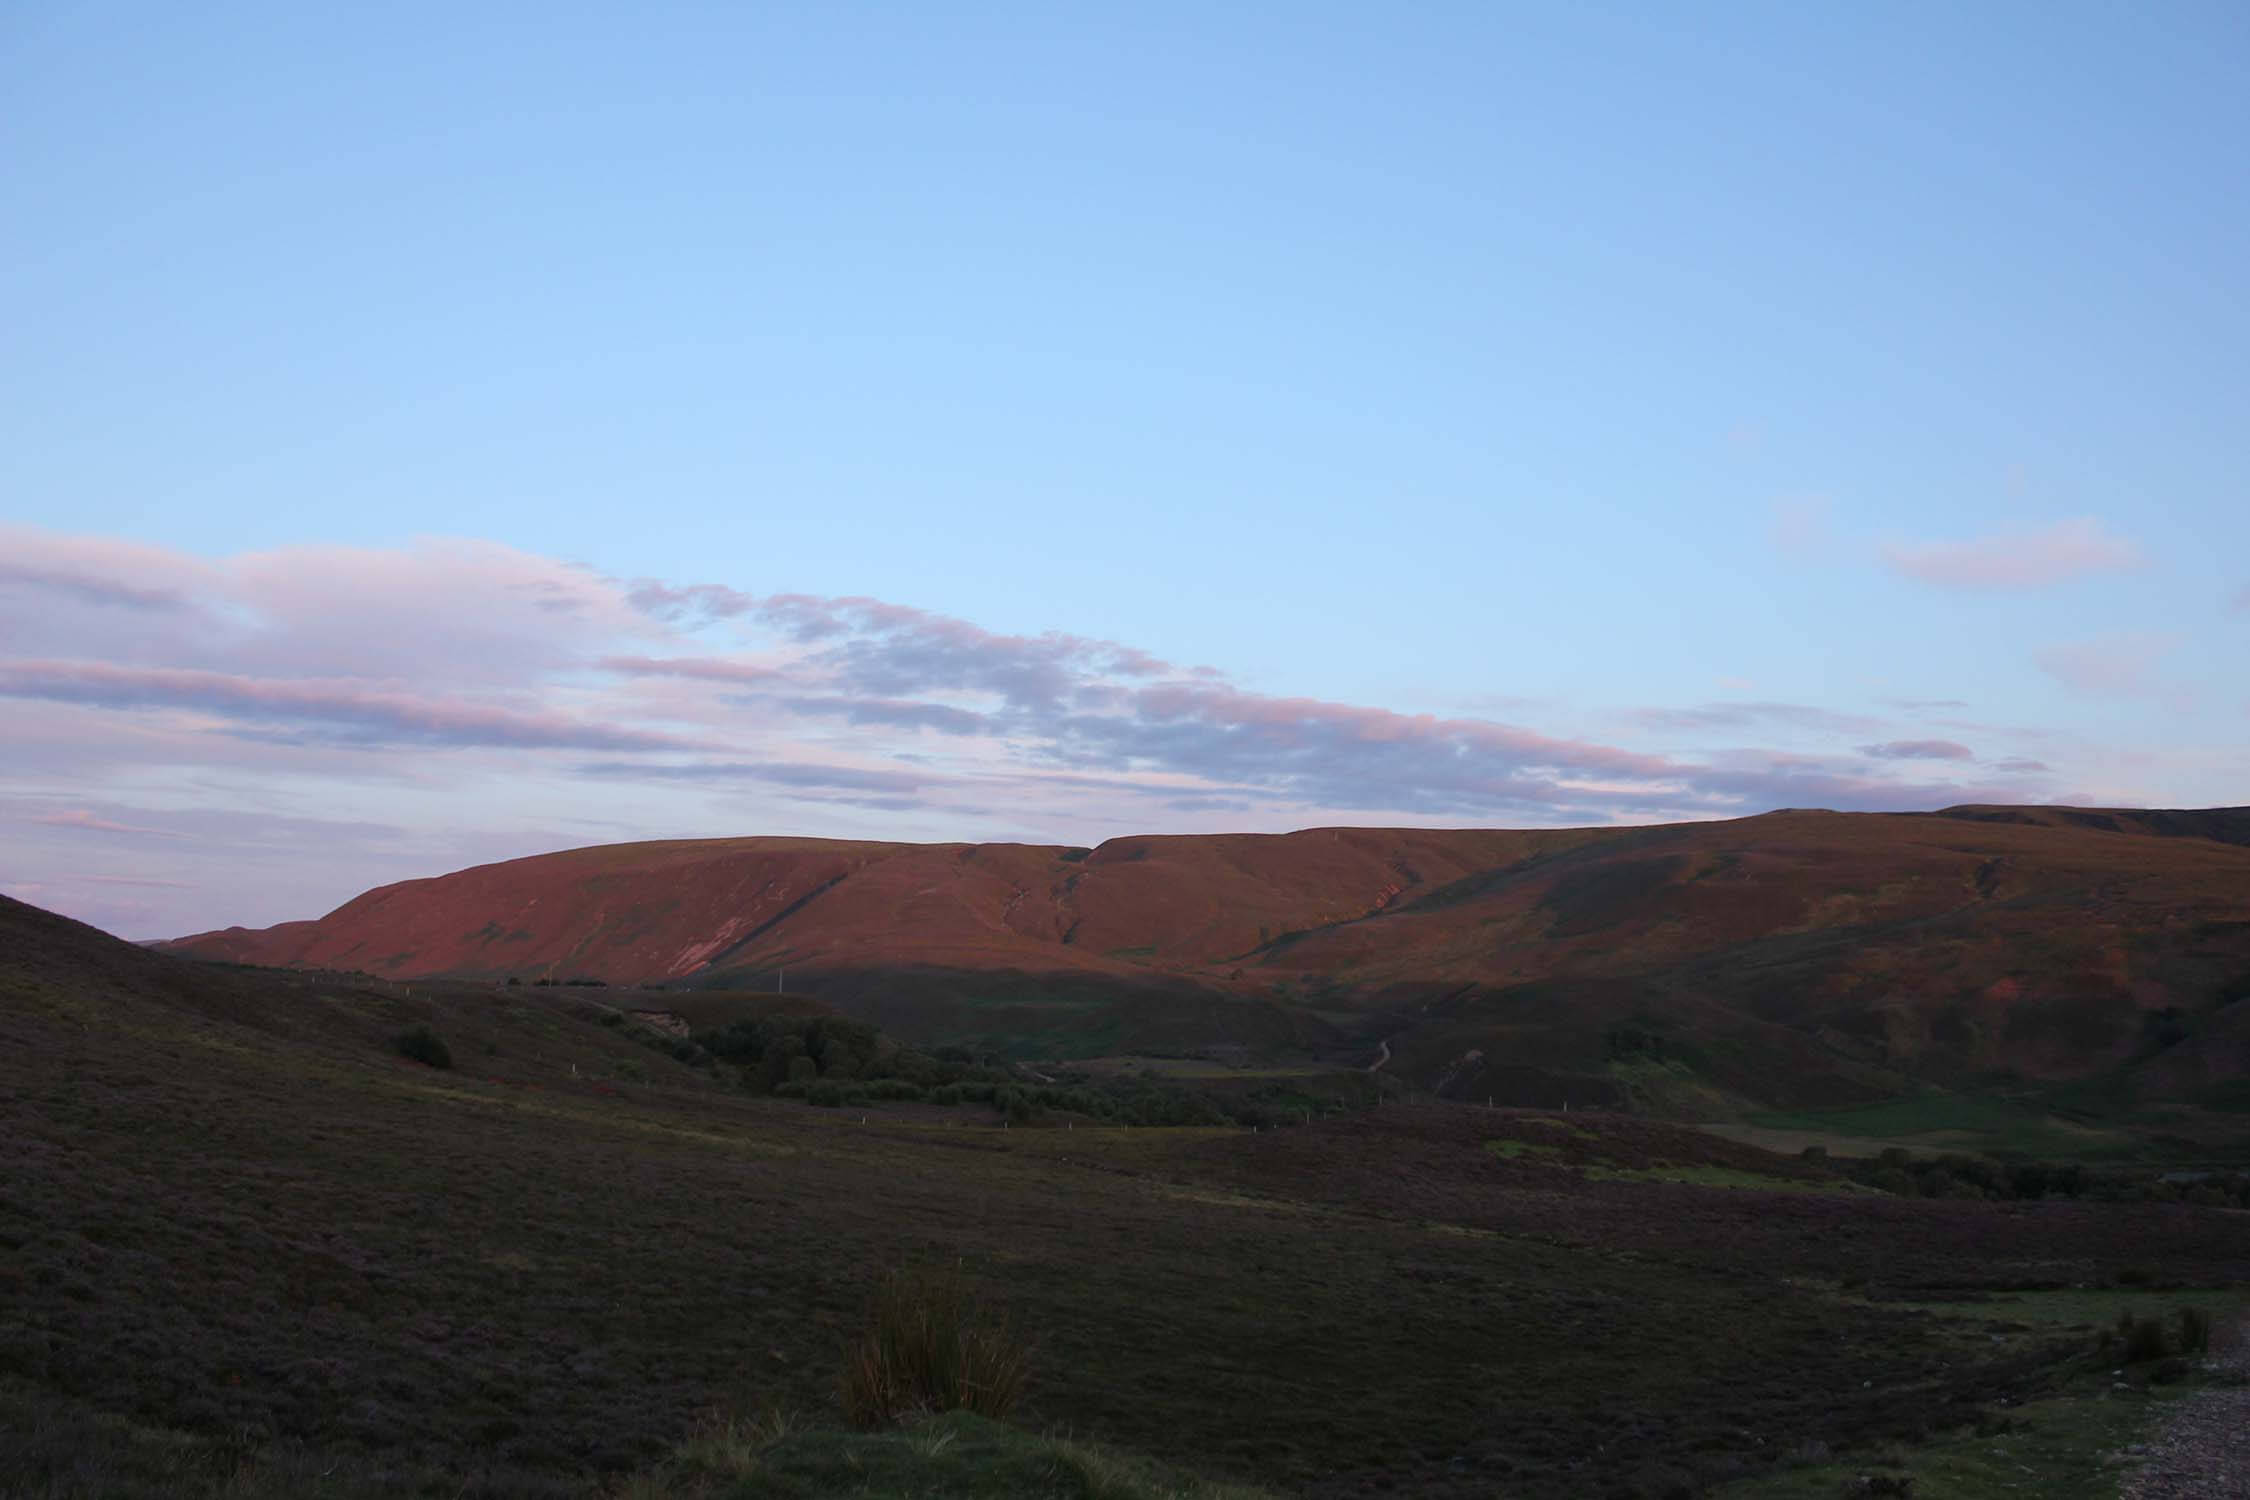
(194, 741)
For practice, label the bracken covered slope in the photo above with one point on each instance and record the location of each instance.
(1797, 957)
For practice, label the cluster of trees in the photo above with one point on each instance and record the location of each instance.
(1955, 1175)
(772, 1051)
(1633, 1040)
(832, 1061)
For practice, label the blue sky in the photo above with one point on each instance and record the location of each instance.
(1745, 389)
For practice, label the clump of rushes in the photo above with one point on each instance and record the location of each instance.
(929, 1347)
(2194, 1330)
(2136, 1339)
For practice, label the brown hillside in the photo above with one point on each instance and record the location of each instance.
(1797, 957)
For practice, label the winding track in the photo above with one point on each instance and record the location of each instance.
(2202, 1450)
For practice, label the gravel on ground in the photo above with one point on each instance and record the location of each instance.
(2201, 1449)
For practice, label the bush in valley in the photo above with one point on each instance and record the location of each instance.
(928, 1347)
(1631, 1041)
(424, 1046)
(786, 1055)
(1955, 1175)
(1894, 1180)
(2140, 1338)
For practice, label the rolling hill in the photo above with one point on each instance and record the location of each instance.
(250, 1248)
(1795, 959)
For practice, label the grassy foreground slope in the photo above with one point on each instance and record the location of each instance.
(231, 1213)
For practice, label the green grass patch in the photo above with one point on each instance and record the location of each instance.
(2089, 1309)
(1520, 1150)
(1697, 1175)
(1192, 1067)
(1791, 1142)
(952, 1457)
(1953, 1122)
(2064, 1449)
(1715, 1176)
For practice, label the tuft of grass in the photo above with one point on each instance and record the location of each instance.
(2141, 1339)
(955, 1456)
(728, 1446)
(2194, 1330)
(929, 1347)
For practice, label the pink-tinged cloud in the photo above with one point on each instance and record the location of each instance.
(1300, 723)
(81, 818)
(778, 773)
(102, 571)
(439, 611)
(875, 647)
(335, 668)
(2240, 603)
(897, 713)
(2116, 666)
(1919, 750)
(2017, 559)
(1740, 716)
(362, 713)
(708, 601)
(695, 668)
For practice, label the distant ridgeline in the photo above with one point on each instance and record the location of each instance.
(1797, 960)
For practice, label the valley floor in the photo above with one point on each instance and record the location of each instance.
(230, 1213)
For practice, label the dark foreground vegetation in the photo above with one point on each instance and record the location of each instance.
(250, 1246)
(1958, 1175)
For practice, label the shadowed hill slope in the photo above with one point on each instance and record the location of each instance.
(1796, 958)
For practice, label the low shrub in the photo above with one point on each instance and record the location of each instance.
(928, 1347)
(2138, 1340)
(2193, 1328)
(424, 1046)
